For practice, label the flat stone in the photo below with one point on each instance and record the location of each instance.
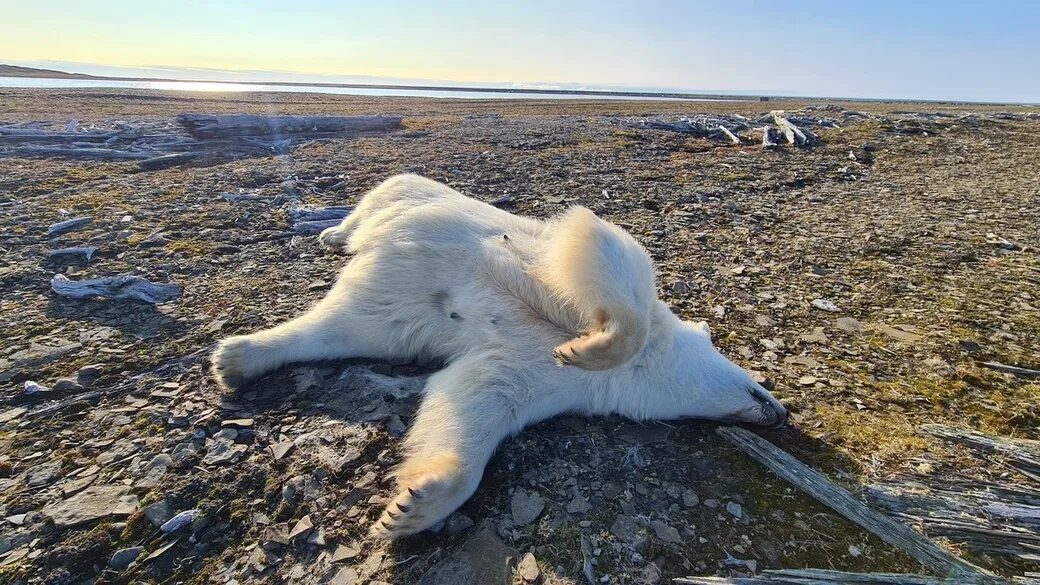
(240, 423)
(825, 305)
(899, 334)
(12, 414)
(44, 474)
(650, 575)
(482, 560)
(345, 552)
(158, 512)
(303, 527)
(630, 531)
(457, 522)
(39, 353)
(578, 505)
(223, 451)
(226, 433)
(122, 558)
(276, 536)
(526, 506)
(690, 499)
(666, 532)
(77, 485)
(280, 450)
(67, 385)
(159, 552)
(61, 227)
(527, 568)
(735, 510)
(92, 504)
(817, 336)
(86, 375)
(345, 576)
(849, 325)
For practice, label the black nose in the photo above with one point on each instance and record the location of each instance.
(769, 403)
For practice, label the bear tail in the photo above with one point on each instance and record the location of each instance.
(599, 270)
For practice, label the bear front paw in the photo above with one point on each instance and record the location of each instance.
(231, 362)
(333, 238)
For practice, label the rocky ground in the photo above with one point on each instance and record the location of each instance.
(865, 279)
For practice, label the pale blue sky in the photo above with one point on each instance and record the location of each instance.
(871, 48)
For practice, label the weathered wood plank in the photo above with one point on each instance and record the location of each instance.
(166, 161)
(204, 126)
(74, 152)
(824, 577)
(309, 220)
(56, 137)
(732, 137)
(122, 286)
(1022, 372)
(768, 137)
(792, 133)
(991, 519)
(840, 500)
(1023, 453)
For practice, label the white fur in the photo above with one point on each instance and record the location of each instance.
(534, 318)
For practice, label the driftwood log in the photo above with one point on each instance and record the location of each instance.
(732, 137)
(74, 152)
(308, 220)
(166, 161)
(84, 252)
(988, 518)
(1024, 454)
(69, 225)
(840, 500)
(208, 127)
(768, 137)
(1016, 370)
(123, 286)
(56, 137)
(821, 577)
(792, 133)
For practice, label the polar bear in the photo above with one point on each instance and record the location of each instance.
(533, 319)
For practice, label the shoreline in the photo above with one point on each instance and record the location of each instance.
(7, 71)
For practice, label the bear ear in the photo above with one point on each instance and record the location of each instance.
(702, 326)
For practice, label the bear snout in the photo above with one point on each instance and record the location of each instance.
(774, 415)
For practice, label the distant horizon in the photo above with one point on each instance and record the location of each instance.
(260, 77)
(949, 50)
(274, 75)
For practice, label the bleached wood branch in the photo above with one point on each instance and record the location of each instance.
(166, 161)
(1024, 453)
(123, 286)
(792, 133)
(768, 138)
(820, 577)
(59, 137)
(56, 229)
(85, 252)
(732, 137)
(203, 126)
(840, 500)
(1023, 372)
(94, 153)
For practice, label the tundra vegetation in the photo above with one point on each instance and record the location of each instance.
(880, 278)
